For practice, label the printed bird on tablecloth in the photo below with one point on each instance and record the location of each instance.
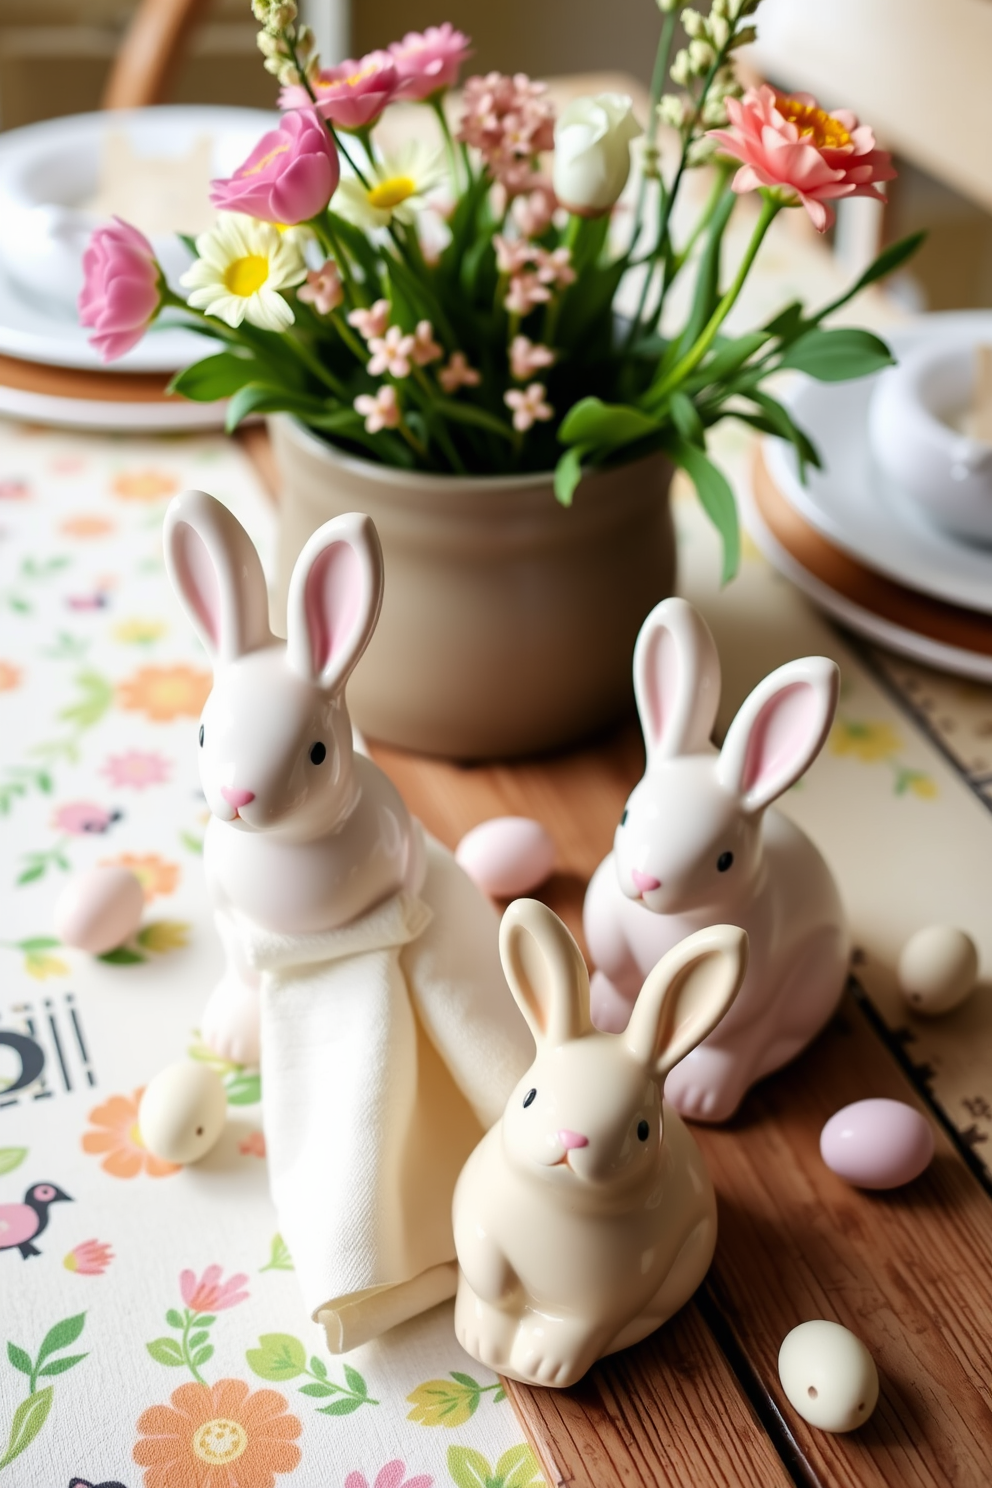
(20, 1224)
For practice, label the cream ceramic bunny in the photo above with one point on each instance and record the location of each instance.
(696, 844)
(304, 834)
(586, 1216)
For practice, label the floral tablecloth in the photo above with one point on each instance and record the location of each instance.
(151, 1330)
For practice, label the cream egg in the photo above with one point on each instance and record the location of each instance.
(938, 968)
(877, 1143)
(99, 910)
(507, 856)
(828, 1376)
(182, 1112)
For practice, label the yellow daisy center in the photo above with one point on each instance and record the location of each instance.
(260, 165)
(243, 276)
(391, 192)
(814, 124)
(219, 1442)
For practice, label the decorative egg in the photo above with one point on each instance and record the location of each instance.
(877, 1143)
(938, 968)
(507, 856)
(182, 1112)
(828, 1375)
(99, 910)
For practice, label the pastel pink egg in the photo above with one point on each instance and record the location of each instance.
(877, 1143)
(99, 910)
(507, 856)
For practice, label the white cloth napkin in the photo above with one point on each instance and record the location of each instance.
(388, 1047)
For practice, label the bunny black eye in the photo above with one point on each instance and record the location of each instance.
(529, 1098)
(724, 861)
(623, 819)
(201, 735)
(318, 754)
(643, 1131)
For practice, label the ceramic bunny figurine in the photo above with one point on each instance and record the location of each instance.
(586, 1216)
(696, 844)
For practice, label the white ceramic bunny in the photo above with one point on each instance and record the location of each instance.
(696, 845)
(304, 834)
(586, 1216)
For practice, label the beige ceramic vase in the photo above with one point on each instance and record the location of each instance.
(508, 622)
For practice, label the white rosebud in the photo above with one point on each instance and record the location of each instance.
(693, 23)
(592, 152)
(719, 31)
(681, 73)
(671, 110)
(701, 56)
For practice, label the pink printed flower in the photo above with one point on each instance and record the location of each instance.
(425, 349)
(458, 373)
(83, 818)
(428, 62)
(528, 406)
(526, 291)
(136, 769)
(14, 490)
(253, 1145)
(393, 1475)
(121, 293)
(323, 288)
(791, 143)
(91, 1258)
(352, 95)
(380, 412)
(371, 323)
(528, 357)
(532, 213)
(210, 1294)
(391, 353)
(290, 175)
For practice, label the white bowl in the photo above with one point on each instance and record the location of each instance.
(946, 473)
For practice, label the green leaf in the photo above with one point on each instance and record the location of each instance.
(686, 419)
(202, 1355)
(467, 413)
(318, 1367)
(279, 1356)
(166, 1351)
(605, 425)
(465, 1379)
(836, 355)
(888, 260)
(205, 1319)
(30, 874)
(37, 943)
(244, 1090)
(215, 377)
(787, 322)
(355, 1381)
(469, 1469)
(11, 1158)
(193, 844)
(717, 500)
(317, 1389)
(731, 356)
(61, 1335)
(279, 1257)
(19, 1358)
(122, 956)
(518, 1468)
(782, 424)
(59, 1366)
(568, 473)
(29, 1417)
(341, 1407)
(199, 1337)
(173, 1318)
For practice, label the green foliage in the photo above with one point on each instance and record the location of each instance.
(29, 1417)
(837, 355)
(32, 1413)
(166, 1351)
(279, 1256)
(279, 1356)
(516, 1468)
(717, 499)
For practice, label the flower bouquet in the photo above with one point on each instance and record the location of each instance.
(450, 309)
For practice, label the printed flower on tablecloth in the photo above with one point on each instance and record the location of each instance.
(165, 693)
(439, 1402)
(156, 876)
(393, 1475)
(209, 1293)
(879, 743)
(253, 1145)
(136, 768)
(139, 632)
(117, 1139)
(10, 676)
(14, 490)
(217, 1436)
(86, 526)
(91, 1258)
(144, 485)
(83, 818)
(517, 1468)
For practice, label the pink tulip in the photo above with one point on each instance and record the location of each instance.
(352, 95)
(121, 293)
(428, 62)
(209, 1293)
(289, 177)
(790, 142)
(91, 1258)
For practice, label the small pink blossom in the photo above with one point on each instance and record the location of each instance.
(14, 490)
(83, 819)
(351, 95)
(380, 412)
(137, 769)
(121, 292)
(210, 1294)
(555, 267)
(371, 323)
(514, 254)
(391, 353)
(425, 349)
(91, 1258)
(526, 291)
(253, 1145)
(393, 1475)
(428, 62)
(323, 288)
(458, 373)
(290, 175)
(509, 120)
(532, 212)
(528, 357)
(528, 406)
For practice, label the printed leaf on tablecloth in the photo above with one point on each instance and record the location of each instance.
(11, 1158)
(29, 1417)
(279, 1356)
(517, 1468)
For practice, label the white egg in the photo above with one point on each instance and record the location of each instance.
(938, 968)
(99, 910)
(828, 1375)
(182, 1112)
(507, 856)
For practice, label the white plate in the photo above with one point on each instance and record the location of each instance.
(88, 413)
(852, 504)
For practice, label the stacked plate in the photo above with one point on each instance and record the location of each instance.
(858, 546)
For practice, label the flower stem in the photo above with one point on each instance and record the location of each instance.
(340, 144)
(436, 102)
(189, 1323)
(319, 371)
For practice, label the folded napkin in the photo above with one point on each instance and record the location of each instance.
(388, 1047)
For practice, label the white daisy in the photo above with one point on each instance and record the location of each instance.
(242, 266)
(397, 187)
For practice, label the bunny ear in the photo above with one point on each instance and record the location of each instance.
(779, 731)
(214, 569)
(686, 995)
(676, 680)
(546, 972)
(335, 595)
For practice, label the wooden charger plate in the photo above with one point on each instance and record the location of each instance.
(115, 401)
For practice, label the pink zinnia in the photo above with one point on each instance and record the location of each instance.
(428, 62)
(210, 1294)
(91, 1258)
(352, 95)
(790, 142)
(393, 1475)
(289, 177)
(136, 769)
(121, 292)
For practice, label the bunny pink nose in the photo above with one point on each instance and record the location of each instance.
(570, 1139)
(643, 882)
(236, 798)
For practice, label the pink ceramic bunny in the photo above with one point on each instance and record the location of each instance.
(696, 844)
(304, 834)
(586, 1216)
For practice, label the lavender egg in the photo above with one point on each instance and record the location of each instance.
(877, 1143)
(98, 910)
(507, 855)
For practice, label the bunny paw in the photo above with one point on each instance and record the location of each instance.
(708, 1085)
(231, 1022)
(482, 1330)
(551, 1352)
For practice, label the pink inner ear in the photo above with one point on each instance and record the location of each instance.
(199, 579)
(781, 738)
(334, 598)
(661, 675)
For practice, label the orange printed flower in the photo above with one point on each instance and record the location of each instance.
(10, 676)
(164, 693)
(144, 485)
(156, 876)
(217, 1436)
(253, 1145)
(117, 1136)
(86, 526)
